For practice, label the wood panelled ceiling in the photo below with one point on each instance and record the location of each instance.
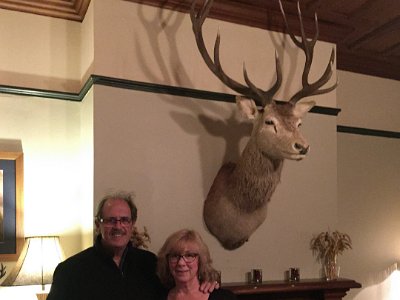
(366, 32)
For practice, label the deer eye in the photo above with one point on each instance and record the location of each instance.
(269, 122)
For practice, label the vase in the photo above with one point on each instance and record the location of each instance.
(331, 268)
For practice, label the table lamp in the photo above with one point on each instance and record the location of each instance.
(36, 263)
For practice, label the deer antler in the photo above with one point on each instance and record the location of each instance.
(251, 91)
(308, 47)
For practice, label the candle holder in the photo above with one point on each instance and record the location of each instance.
(256, 275)
(294, 274)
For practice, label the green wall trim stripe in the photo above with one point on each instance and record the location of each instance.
(186, 92)
(139, 86)
(161, 89)
(369, 132)
(21, 91)
(171, 90)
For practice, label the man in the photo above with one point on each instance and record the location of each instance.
(113, 268)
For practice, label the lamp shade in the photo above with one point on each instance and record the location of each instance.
(39, 257)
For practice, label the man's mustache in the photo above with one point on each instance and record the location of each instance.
(118, 231)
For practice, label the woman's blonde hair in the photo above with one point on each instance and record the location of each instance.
(173, 244)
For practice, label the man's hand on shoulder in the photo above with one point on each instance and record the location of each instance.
(209, 287)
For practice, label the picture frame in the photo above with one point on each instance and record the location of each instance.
(11, 205)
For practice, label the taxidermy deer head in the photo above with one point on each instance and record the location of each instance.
(236, 204)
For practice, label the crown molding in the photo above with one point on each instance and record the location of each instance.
(73, 10)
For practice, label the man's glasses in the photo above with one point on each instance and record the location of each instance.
(112, 221)
(187, 257)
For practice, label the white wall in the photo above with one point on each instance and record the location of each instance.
(49, 134)
(55, 136)
(368, 101)
(368, 188)
(369, 206)
(40, 51)
(57, 142)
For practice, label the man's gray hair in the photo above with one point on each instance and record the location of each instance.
(125, 196)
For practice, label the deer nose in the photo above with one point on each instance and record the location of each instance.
(302, 149)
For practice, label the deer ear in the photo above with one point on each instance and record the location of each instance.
(247, 107)
(301, 108)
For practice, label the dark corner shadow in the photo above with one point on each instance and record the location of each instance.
(192, 116)
(8, 145)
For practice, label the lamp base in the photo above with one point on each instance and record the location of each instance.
(42, 296)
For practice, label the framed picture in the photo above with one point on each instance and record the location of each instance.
(11, 205)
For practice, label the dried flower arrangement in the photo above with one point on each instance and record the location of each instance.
(326, 246)
(140, 239)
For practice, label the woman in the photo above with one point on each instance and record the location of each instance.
(183, 262)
